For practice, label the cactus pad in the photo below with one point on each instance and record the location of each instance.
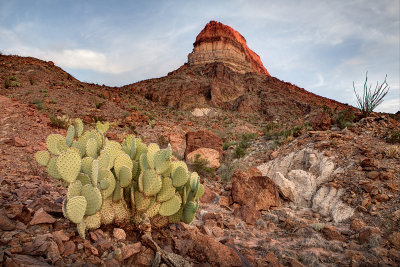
(189, 212)
(84, 178)
(140, 148)
(107, 211)
(141, 202)
(143, 163)
(104, 159)
(75, 208)
(199, 192)
(167, 190)
(81, 229)
(91, 148)
(78, 126)
(70, 135)
(81, 145)
(179, 176)
(52, 168)
(93, 198)
(122, 160)
(121, 211)
(69, 165)
(171, 206)
(159, 221)
(161, 164)
(52, 143)
(74, 189)
(42, 157)
(153, 208)
(125, 176)
(86, 166)
(151, 183)
(108, 177)
(102, 127)
(93, 221)
(152, 149)
(175, 218)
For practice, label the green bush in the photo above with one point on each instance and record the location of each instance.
(393, 136)
(119, 183)
(345, 118)
(199, 165)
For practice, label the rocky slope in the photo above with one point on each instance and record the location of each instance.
(293, 196)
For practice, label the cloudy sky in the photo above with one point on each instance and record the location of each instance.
(322, 46)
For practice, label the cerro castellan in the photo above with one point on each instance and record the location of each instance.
(219, 42)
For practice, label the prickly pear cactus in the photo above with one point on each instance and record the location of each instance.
(109, 182)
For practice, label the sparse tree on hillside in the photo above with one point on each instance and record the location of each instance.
(371, 99)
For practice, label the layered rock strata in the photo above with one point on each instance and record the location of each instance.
(220, 43)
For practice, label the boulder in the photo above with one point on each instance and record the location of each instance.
(286, 187)
(209, 154)
(321, 121)
(202, 139)
(259, 192)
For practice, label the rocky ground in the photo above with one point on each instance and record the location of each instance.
(331, 197)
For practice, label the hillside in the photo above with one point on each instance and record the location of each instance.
(293, 179)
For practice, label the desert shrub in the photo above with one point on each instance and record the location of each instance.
(31, 81)
(227, 145)
(98, 104)
(119, 183)
(162, 141)
(392, 151)
(38, 103)
(62, 122)
(7, 83)
(345, 118)
(200, 165)
(244, 143)
(393, 136)
(371, 99)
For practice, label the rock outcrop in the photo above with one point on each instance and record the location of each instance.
(301, 177)
(219, 42)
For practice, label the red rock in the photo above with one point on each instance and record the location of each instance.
(5, 223)
(357, 225)
(367, 232)
(69, 248)
(224, 201)
(119, 234)
(331, 233)
(202, 139)
(382, 197)
(204, 248)
(394, 238)
(244, 187)
(217, 38)
(42, 217)
(209, 154)
(386, 175)
(367, 163)
(373, 175)
(130, 250)
(208, 196)
(272, 260)
(145, 258)
(248, 213)
(111, 263)
(295, 263)
(19, 142)
(321, 121)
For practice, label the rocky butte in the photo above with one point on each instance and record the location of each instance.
(219, 42)
(222, 72)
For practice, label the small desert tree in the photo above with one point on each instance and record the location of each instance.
(371, 99)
